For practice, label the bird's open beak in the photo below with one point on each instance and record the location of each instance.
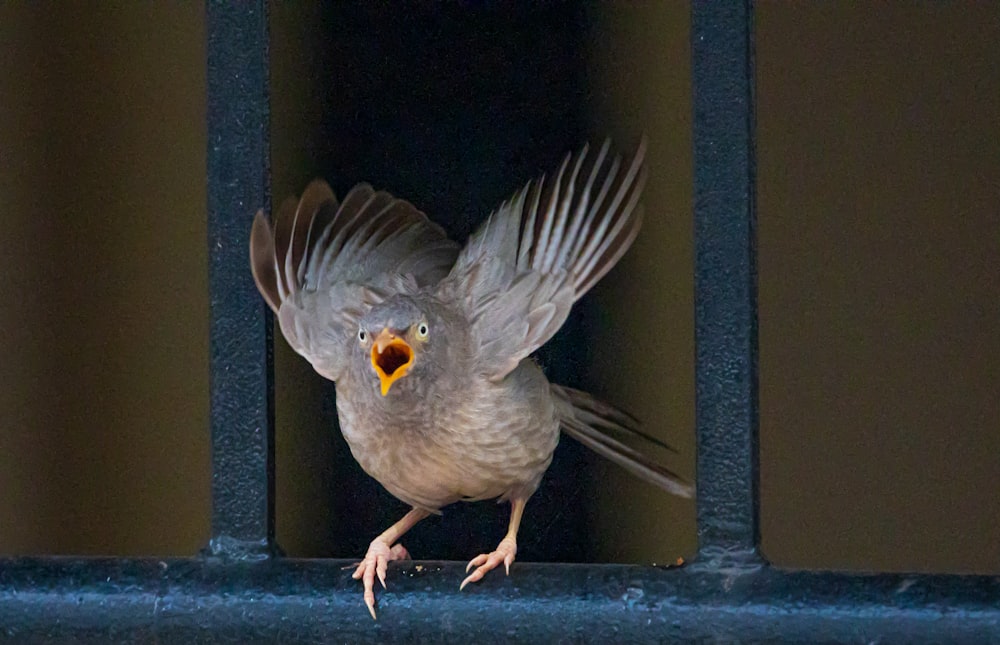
(391, 357)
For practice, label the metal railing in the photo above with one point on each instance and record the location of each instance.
(242, 590)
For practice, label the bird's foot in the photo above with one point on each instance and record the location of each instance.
(375, 563)
(486, 562)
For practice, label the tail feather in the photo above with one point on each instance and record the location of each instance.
(588, 421)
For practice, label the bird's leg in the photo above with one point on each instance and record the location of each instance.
(505, 551)
(383, 550)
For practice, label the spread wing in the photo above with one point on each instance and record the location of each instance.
(522, 270)
(321, 265)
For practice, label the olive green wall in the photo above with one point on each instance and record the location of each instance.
(879, 212)
(303, 443)
(103, 322)
(879, 179)
(643, 314)
(879, 259)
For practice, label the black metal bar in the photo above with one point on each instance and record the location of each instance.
(725, 283)
(242, 391)
(293, 601)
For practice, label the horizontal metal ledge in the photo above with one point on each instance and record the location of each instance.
(287, 600)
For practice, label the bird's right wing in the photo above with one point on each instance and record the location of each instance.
(522, 270)
(321, 265)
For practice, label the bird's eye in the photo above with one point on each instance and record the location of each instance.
(422, 330)
(362, 335)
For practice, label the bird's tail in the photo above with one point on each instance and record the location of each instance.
(592, 422)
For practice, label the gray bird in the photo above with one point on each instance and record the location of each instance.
(430, 346)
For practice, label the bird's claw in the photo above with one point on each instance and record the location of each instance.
(486, 562)
(375, 564)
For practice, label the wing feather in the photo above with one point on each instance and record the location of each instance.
(321, 265)
(522, 270)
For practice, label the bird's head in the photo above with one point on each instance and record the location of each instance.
(401, 337)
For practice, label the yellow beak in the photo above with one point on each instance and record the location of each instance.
(391, 357)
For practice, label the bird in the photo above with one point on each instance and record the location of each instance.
(430, 344)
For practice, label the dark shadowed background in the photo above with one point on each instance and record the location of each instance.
(879, 229)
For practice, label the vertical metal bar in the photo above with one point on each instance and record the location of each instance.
(242, 389)
(725, 282)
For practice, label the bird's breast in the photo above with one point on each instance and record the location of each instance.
(489, 442)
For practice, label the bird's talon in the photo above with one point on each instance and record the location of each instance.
(486, 562)
(475, 576)
(375, 565)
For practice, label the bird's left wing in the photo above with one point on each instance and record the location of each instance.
(323, 264)
(522, 270)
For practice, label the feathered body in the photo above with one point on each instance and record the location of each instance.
(430, 346)
(495, 440)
